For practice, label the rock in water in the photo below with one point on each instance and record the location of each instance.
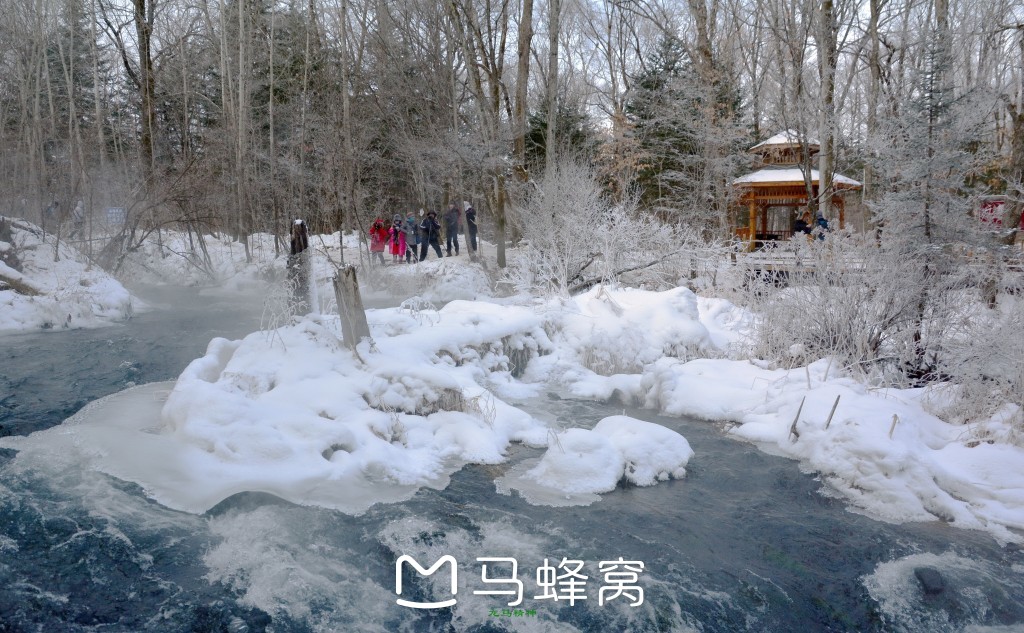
(930, 579)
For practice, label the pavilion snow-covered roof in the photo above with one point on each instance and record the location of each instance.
(786, 138)
(774, 176)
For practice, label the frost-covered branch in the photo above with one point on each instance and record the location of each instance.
(575, 237)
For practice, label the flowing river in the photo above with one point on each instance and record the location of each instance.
(746, 542)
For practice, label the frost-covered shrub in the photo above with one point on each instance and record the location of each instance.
(986, 372)
(860, 303)
(575, 237)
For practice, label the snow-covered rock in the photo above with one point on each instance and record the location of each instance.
(580, 463)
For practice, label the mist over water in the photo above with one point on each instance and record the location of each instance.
(746, 542)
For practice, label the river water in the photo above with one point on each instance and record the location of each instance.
(746, 542)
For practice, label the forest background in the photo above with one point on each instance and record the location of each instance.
(240, 115)
(579, 122)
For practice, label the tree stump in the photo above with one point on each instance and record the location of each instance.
(354, 327)
(298, 269)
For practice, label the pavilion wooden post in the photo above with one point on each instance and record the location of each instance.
(354, 327)
(752, 226)
(841, 203)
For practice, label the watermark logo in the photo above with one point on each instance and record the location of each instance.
(561, 582)
(447, 558)
(514, 580)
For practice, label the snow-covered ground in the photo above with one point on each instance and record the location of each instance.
(37, 292)
(292, 412)
(222, 264)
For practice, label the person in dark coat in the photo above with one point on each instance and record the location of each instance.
(452, 224)
(471, 227)
(298, 268)
(430, 235)
(802, 224)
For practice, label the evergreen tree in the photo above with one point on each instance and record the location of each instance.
(929, 163)
(576, 136)
(688, 138)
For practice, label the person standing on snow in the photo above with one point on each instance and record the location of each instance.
(452, 224)
(378, 237)
(396, 239)
(412, 239)
(430, 235)
(51, 215)
(470, 227)
(77, 220)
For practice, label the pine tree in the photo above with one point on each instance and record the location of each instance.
(689, 139)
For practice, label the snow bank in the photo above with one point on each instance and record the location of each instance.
(605, 337)
(640, 346)
(293, 413)
(226, 265)
(918, 469)
(37, 292)
(581, 463)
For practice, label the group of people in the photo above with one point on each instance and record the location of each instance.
(803, 225)
(52, 217)
(411, 239)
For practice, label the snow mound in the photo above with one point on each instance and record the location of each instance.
(581, 463)
(621, 330)
(37, 292)
(607, 336)
(295, 414)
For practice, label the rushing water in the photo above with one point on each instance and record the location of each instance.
(746, 542)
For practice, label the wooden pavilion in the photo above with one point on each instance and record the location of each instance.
(779, 183)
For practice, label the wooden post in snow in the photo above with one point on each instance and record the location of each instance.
(350, 307)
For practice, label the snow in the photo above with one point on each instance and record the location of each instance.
(787, 137)
(790, 175)
(68, 293)
(174, 257)
(292, 412)
(580, 463)
(927, 470)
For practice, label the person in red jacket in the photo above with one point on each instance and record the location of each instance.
(378, 237)
(396, 239)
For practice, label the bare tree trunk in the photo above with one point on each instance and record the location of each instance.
(550, 143)
(874, 88)
(827, 55)
(522, 81)
(242, 131)
(147, 82)
(273, 145)
(347, 169)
